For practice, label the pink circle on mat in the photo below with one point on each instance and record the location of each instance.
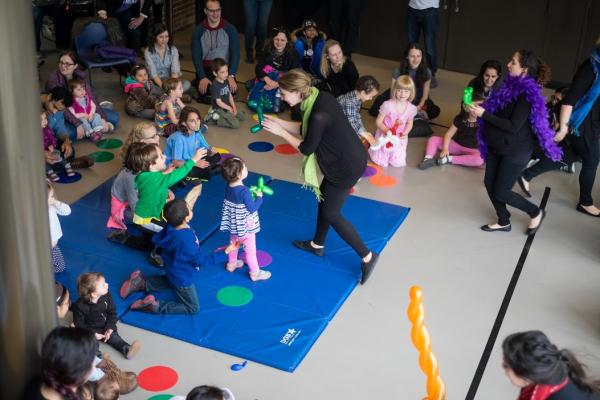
(369, 171)
(157, 378)
(286, 149)
(264, 258)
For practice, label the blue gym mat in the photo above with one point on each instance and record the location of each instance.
(288, 312)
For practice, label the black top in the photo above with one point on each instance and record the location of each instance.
(340, 153)
(98, 317)
(581, 84)
(572, 392)
(221, 91)
(466, 132)
(33, 389)
(282, 62)
(344, 81)
(508, 131)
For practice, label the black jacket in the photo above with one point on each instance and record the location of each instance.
(572, 392)
(340, 153)
(508, 131)
(282, 63)
(98, 317)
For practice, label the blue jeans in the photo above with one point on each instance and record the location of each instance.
(257, 16)
(426, 20)
(111, 116)
(188, 298)
(88, 126)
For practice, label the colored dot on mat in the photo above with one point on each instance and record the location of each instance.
(261, 147)
(157, 378)
(64, 178)
(109, 143)
(352, 190)
(234, 296)
(222, 150)
(102, 156)
(161, 397)
(226, 156)
(264, 259)
(369, 171)
(383, 181)
(286, 149)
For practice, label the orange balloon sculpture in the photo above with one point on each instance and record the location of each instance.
(436, 390)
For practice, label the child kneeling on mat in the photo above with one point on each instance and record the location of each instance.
(95, 310)
(183, 257)
(240, 217)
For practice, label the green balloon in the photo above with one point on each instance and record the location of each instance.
(252, 104)
(256, 128)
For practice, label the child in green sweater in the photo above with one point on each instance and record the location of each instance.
(152, 184)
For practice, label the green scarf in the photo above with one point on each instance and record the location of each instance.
(309, 164)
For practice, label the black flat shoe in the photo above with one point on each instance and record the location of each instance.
(487, 228)
(531, 231)
(584, 211)
(305, 245)
(367, 267)
(522, 186)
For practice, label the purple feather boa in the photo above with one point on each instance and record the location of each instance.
(511, 89)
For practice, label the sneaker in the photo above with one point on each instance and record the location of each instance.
(107, 104)
(233, 267)
(147, 304)
(111, 127)
(119, 236)
(53, 176)
(95, 137)
(156, 259)
(135, 283)
(82, 162)
(442, 161)
(131, 350)
(368, 267)
(261, 275)
(306, 245)
(568, 168)
(426, 163)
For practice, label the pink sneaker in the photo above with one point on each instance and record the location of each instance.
(135, 283)
(233, 267)
(147, 304)
(261, 275)
(96, 137)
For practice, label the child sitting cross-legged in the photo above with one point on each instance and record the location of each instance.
(223, 109)
(183, 257)
(95, 310)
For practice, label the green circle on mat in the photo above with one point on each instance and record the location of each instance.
(234, 296)
(109, 143)
(161, 397)
(102, 156)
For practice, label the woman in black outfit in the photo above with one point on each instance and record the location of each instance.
(585, 143)
(339, 73)
(327, 136)
(514, 119)
(543, 372)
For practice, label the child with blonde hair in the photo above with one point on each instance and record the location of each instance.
(95, 310)
(169, 106)
(394, 122)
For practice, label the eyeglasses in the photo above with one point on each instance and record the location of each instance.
(212, 10)
(66, 64)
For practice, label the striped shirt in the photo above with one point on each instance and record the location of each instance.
(240, 211)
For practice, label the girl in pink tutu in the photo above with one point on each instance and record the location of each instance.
(394, 122)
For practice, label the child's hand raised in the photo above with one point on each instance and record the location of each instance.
(199, 155)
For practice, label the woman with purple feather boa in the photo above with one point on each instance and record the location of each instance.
(513, 121)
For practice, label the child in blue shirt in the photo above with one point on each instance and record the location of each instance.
(188, 138)
(240, 217)
(182, 257)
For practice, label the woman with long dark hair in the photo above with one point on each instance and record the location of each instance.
(488, 79)
(162, 58)
(329, 143)
(514, 120)
(543, 371)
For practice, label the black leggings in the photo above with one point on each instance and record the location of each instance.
(143, 242)
(574, 148)
(501, 173)
(330, 214)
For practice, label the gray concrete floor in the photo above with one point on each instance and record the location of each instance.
(366, 353)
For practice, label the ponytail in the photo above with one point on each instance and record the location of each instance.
(536, 67)
(577, 373)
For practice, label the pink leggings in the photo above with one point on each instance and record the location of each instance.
(460, 155)
(249, 242)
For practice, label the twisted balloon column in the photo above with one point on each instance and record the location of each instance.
(436, 390)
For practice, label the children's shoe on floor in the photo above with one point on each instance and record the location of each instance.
(156, 259)
(95, 137)
(260, 276)
(147, 304)
(233, 267)
(118, 236)
(130, 351)
(135, 283)
(426, 163)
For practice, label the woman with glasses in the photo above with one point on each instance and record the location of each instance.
(68, 68)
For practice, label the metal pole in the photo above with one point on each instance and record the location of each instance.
(27, 311)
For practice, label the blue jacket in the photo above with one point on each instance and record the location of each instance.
(182, 255)
(233, 52)
(318, 43)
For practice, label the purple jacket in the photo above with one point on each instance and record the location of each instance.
(57, 79)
